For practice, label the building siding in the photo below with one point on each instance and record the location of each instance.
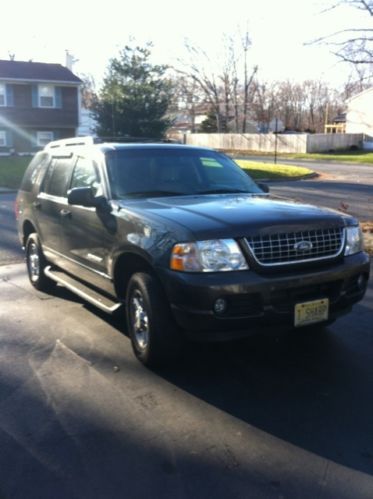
(25, 141)
(23, 115)
(359, 116)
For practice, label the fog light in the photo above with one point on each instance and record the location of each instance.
(220, 306)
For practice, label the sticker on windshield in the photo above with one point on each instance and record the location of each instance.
(211, 163)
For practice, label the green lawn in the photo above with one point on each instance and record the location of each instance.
(12, 170)
(271, 171)
(343, 156)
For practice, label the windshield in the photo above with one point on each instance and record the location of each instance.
(149, 172)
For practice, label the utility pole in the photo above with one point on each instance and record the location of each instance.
(276, 133)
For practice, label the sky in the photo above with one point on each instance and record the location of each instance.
(94, 32)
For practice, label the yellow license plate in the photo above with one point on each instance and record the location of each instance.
(311, 312)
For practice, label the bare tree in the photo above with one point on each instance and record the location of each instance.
(265, 105)
(88, 90)
(353, 45)
(205, 80)
(248, 78)
(227, 87)
(187, 100)
(301, 106)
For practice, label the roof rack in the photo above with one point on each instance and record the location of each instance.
(129, 139)
(75, 141)
(88, 141)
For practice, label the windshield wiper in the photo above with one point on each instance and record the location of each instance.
(152, 194)
(223, 191)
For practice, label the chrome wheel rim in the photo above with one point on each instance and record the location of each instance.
(139, 320)
(33, 262)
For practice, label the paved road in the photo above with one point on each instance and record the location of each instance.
(350, 197)
(341, 186)
(276, 416)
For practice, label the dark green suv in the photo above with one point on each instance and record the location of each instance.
(186, 241)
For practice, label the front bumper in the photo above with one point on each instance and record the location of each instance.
(255, 302)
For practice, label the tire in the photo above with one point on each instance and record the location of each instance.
(36, 263)
(155, 338)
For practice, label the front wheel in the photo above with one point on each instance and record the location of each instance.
(36, 263)
(154, 335)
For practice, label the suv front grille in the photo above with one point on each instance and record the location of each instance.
(295, 247)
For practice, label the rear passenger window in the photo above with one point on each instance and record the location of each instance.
(37, 165)
(57, 178)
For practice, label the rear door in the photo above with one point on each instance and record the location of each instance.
(51, 203)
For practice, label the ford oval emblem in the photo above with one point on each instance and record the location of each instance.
(303, 246)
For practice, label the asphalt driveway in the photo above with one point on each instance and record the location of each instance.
(274, 416)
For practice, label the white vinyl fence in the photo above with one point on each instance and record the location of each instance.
(286, 143)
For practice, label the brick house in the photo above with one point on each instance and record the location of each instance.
(39, 102)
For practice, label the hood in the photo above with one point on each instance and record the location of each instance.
(232, 215)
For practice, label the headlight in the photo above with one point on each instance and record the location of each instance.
(218, 255)
(354, 240)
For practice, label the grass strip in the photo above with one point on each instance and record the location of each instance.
(358, 157)
(258, 170)
(12, 169)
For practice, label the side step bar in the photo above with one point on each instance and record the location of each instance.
(88, 294)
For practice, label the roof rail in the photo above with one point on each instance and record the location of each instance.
(131, 139)
(75, 141)
(88, 141)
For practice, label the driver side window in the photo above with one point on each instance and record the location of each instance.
(85, 175)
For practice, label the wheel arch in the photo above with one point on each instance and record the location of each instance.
(27, 229)
(126, 265)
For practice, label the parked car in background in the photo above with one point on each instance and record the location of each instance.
(185, 242)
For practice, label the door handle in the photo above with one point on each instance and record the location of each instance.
(65, 213)
(36, 204)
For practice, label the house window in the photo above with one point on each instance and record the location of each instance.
(46, 96)
(2, 138)
(2, 94)
(43, 138)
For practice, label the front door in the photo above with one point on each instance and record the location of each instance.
(87, 234)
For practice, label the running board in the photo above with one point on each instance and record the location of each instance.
(98, 300)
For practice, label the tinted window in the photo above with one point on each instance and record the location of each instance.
(85, 174)
(31, 175)
(57, 178)
(158, 171)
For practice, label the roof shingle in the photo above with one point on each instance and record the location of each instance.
(40, 71)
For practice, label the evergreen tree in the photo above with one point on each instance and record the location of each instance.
(135, 96)
(209, 125)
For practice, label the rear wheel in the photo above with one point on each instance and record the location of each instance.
(36, 263)
(154, 335)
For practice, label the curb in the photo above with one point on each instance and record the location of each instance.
(289, 179)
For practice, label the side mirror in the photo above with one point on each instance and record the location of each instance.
(82, 196)
(264, 187)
